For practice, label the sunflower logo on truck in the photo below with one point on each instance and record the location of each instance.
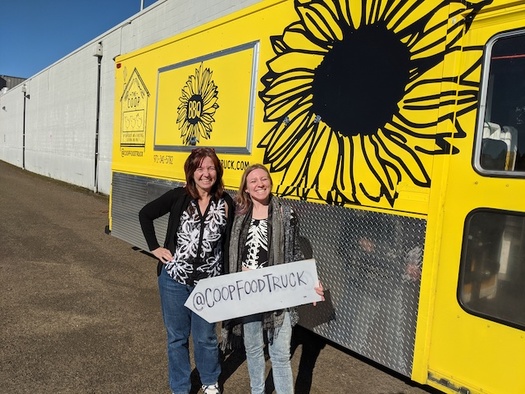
(360, 98)
(198, 103)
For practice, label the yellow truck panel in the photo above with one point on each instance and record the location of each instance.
(396, 129)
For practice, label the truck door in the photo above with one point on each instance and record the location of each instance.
(478, 341)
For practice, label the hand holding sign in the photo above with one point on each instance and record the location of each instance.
(261, 290)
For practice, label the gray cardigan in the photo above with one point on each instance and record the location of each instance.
(283, 247)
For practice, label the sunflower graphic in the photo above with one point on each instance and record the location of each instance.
(197, 107)
(362, 83)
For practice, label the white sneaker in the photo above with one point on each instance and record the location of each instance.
(211, 389)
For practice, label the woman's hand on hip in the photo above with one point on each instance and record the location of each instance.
(163, 254)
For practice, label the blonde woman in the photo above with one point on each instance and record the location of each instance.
(264, 233)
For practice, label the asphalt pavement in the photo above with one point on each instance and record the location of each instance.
(80, 312)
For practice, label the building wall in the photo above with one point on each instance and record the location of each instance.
(61, 101)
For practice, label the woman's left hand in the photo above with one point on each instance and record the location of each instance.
(319, 290)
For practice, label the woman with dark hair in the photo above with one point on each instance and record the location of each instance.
(195, 247)
(265, 233)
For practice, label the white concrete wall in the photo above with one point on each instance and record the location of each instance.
(61, 112)
(11, 118)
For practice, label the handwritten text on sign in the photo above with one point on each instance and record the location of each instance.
(255, 291)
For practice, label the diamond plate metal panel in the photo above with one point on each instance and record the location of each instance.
(129, 194)
(369, 262)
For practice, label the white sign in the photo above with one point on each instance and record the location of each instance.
(255, 291)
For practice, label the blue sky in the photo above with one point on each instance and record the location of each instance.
(36, 33)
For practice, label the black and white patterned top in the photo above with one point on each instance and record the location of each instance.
(255, 254)
(198, 253)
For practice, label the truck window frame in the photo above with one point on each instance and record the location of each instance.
(490, 274)
(493, 54)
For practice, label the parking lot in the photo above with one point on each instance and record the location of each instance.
(80, 310)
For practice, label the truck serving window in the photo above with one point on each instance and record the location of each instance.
(492, 278)
(501, 131)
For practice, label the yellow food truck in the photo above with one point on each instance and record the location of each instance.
(396, 130)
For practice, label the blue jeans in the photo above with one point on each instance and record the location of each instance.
(279, 352)
(179, 322)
